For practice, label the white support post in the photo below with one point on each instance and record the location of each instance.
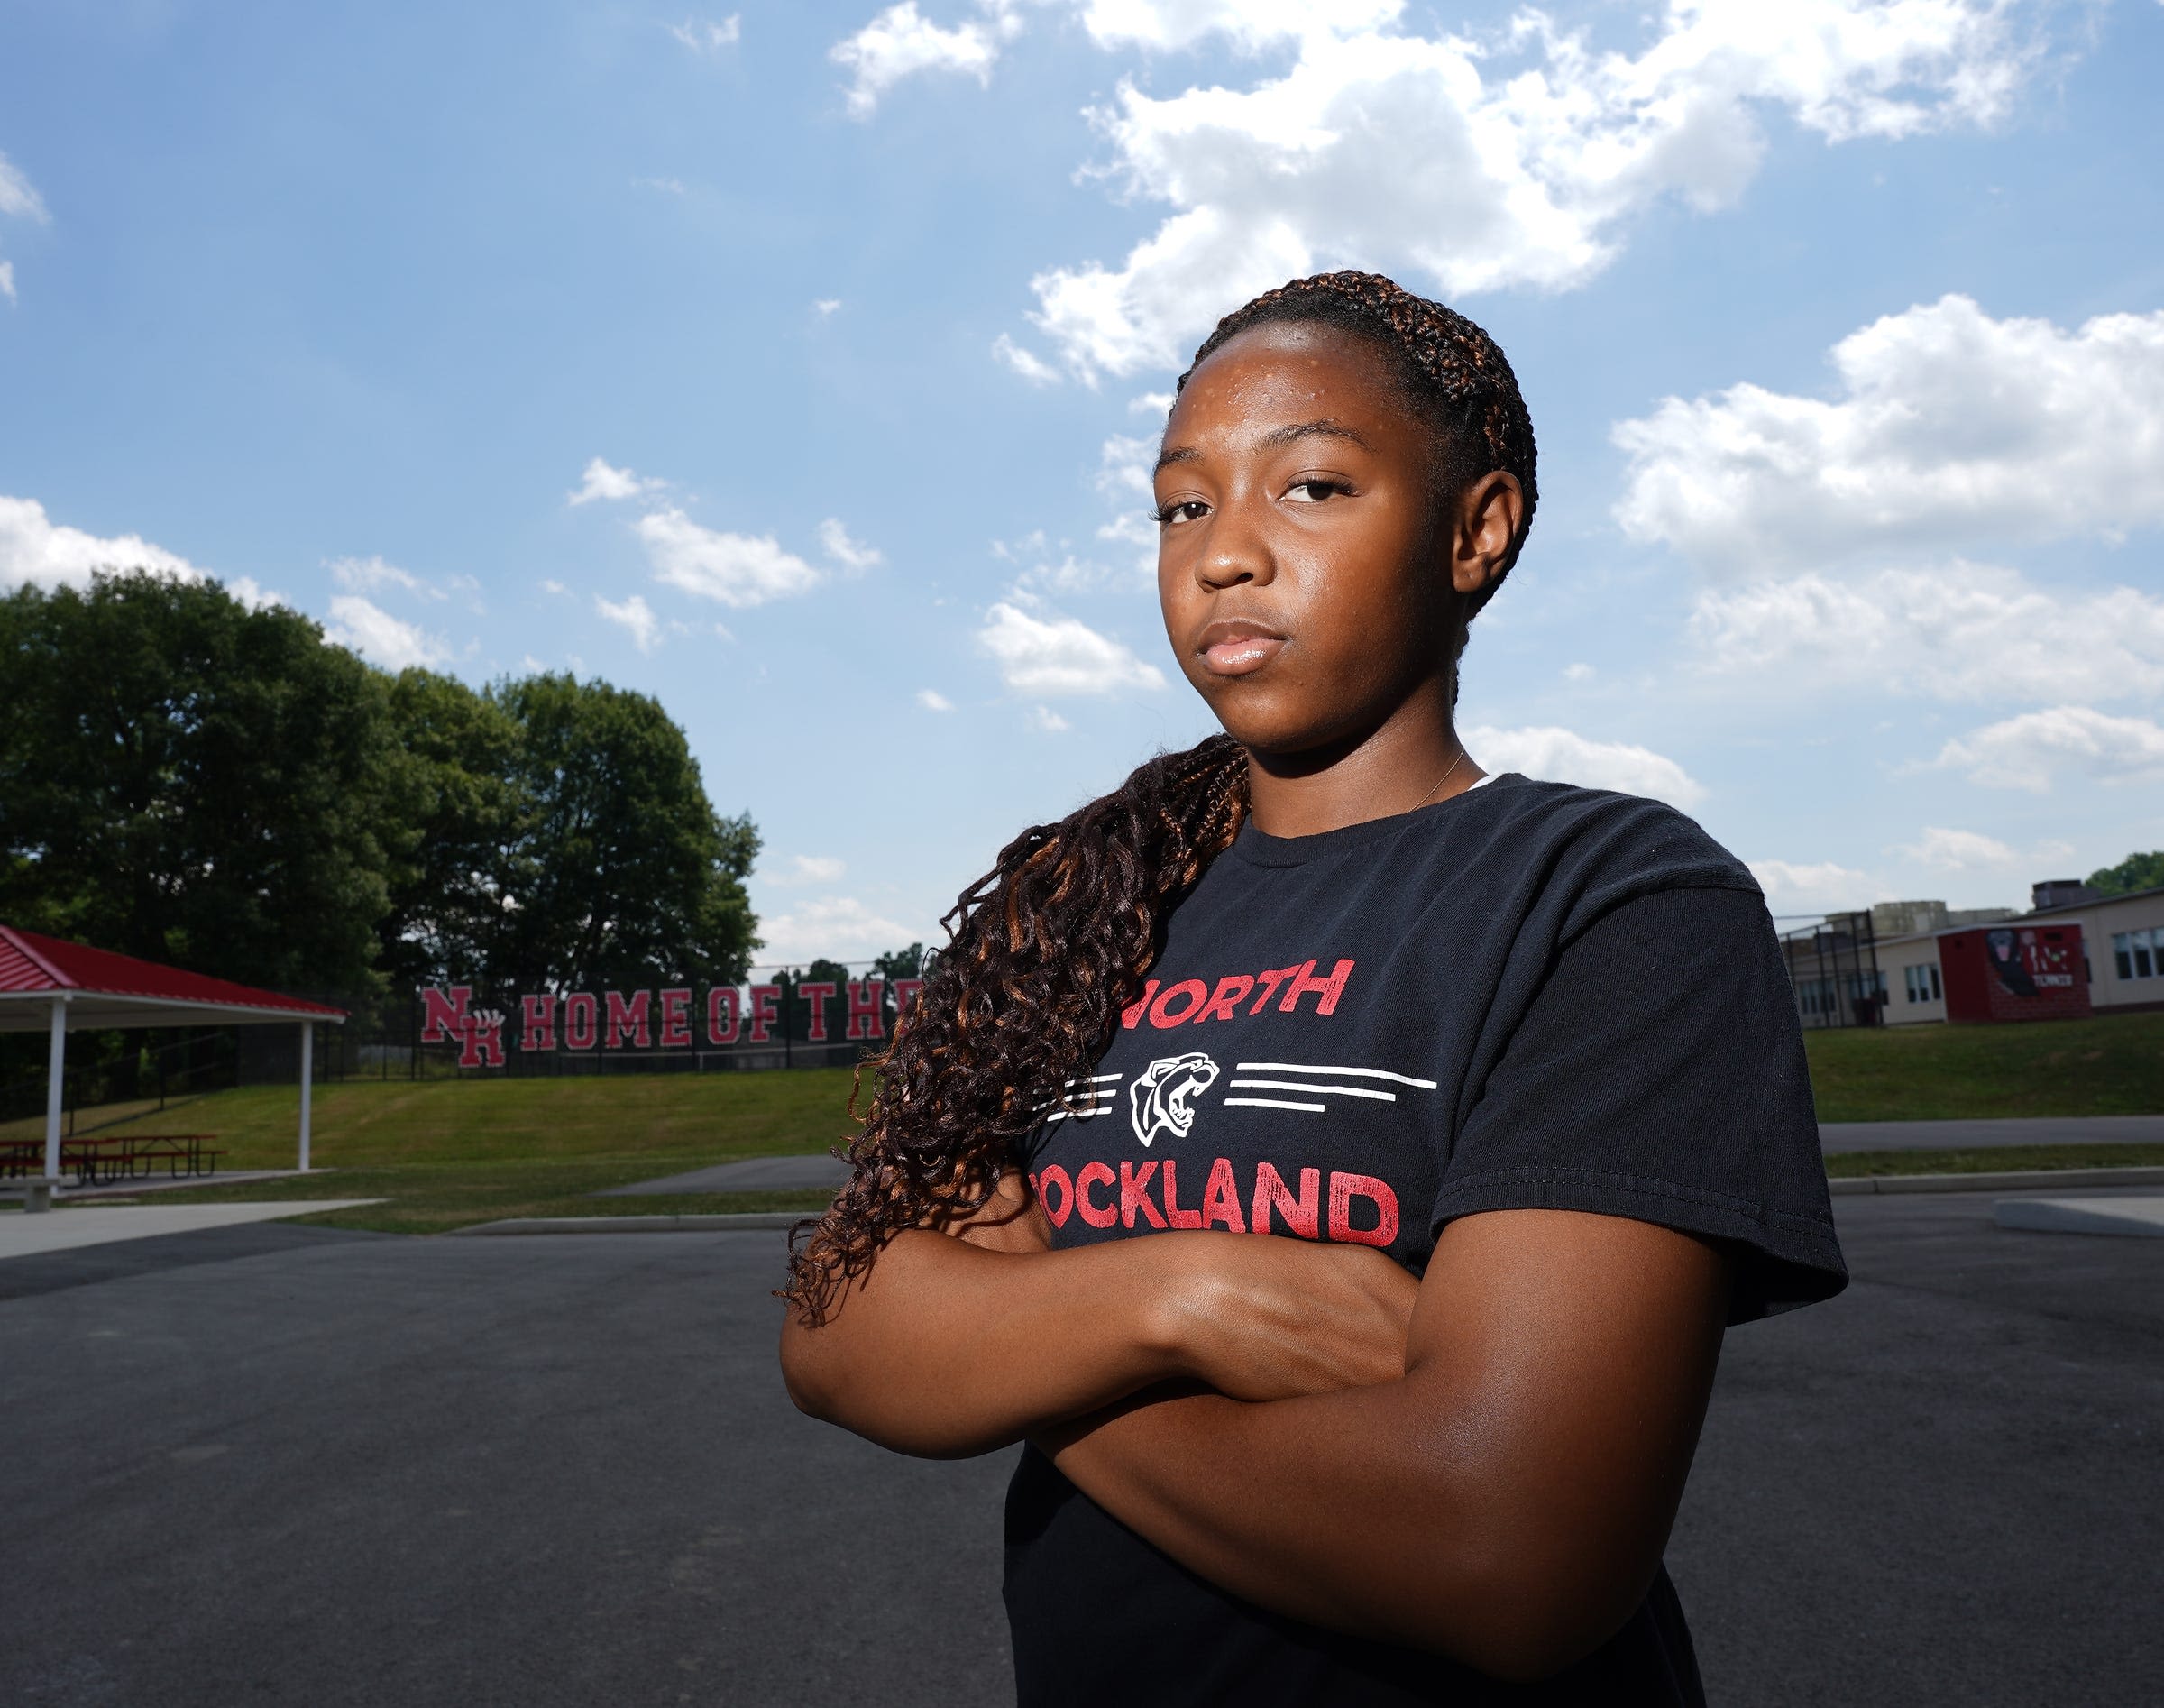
(308, 1085)
(56, 1080)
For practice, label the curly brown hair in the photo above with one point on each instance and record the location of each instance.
(1046, 949)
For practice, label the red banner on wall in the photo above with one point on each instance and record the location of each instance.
(2014, 972)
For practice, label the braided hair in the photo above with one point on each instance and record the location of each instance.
(1450, 376)
(1046, 949)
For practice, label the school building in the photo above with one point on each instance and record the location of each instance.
(1907, 963)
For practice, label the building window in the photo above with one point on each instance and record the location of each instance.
(2122, 955)
(1922, 982)
(2145, 966)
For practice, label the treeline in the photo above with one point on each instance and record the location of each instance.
(2136, 872)
(188, 779)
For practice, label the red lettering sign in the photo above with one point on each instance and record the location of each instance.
(818, 995)
(867, 1009)
(763, 999)
(676, 1020)
(539, 1013)
(581, 1021)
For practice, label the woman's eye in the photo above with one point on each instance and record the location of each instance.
(1316, 491)
(1185, 510)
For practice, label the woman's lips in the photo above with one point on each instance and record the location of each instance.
(1236, 649)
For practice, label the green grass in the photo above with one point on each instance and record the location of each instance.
(1848, 1165)
(449, 1153)
(676, 1120)
(1944, 1073)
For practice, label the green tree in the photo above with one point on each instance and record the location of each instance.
(2136, 872)
(628, 876)
(191, 780)
(900, 963)
(461, 862)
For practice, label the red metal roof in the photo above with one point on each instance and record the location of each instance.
(34, 965)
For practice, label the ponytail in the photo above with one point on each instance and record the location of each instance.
(1043, 953)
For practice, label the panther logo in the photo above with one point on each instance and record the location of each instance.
(1160, 1094)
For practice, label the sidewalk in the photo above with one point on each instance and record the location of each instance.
(65, 1230)
(1974, 1135)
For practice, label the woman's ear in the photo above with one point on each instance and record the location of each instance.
(1485, 532)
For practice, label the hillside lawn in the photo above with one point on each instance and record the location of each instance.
(1946, 1073)
(449, 1153)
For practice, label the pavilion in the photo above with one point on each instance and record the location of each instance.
(63, 987)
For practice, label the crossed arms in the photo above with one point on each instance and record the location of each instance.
(1483, 1463)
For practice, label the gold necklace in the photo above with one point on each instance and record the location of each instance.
(1440, 781)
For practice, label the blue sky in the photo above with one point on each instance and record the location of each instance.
(794, 363)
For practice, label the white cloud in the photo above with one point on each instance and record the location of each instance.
(1579, 672)
(636, 617)
(806, 869)
(1945, 851)
(1251, 25)
(602, 481)
(1949, 426)
(1963, 631)
(1562, 756)
(1055, 657)
(2030, 751)
(1126, 467)
(850, 554)
(1028, 363)
(372, 576)
(384, 639)
(556, 587)
(702, 35)
(35, 551)
(7, 279)
(1073, 574)
(1793, 887)
(1519, 160)
(19, 198)
(1956, 851)
(901, 43)
(1045, 719)
(666, 186)
(839, 927)
(827, 306)
(932, 699)
(737, 569)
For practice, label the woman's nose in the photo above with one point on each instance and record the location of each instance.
(1238, 550)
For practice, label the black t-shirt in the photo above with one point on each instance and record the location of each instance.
(1527, 996)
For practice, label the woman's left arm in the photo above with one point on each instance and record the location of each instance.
(1505, 1502)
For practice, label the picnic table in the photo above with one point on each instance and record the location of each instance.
(100, 1162)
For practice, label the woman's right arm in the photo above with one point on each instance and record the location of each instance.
(959, 1342)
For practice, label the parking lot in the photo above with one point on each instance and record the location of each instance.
(279, 1464)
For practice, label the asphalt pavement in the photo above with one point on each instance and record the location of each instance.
(293, 1466)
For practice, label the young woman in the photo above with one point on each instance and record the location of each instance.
(1510, 1068)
